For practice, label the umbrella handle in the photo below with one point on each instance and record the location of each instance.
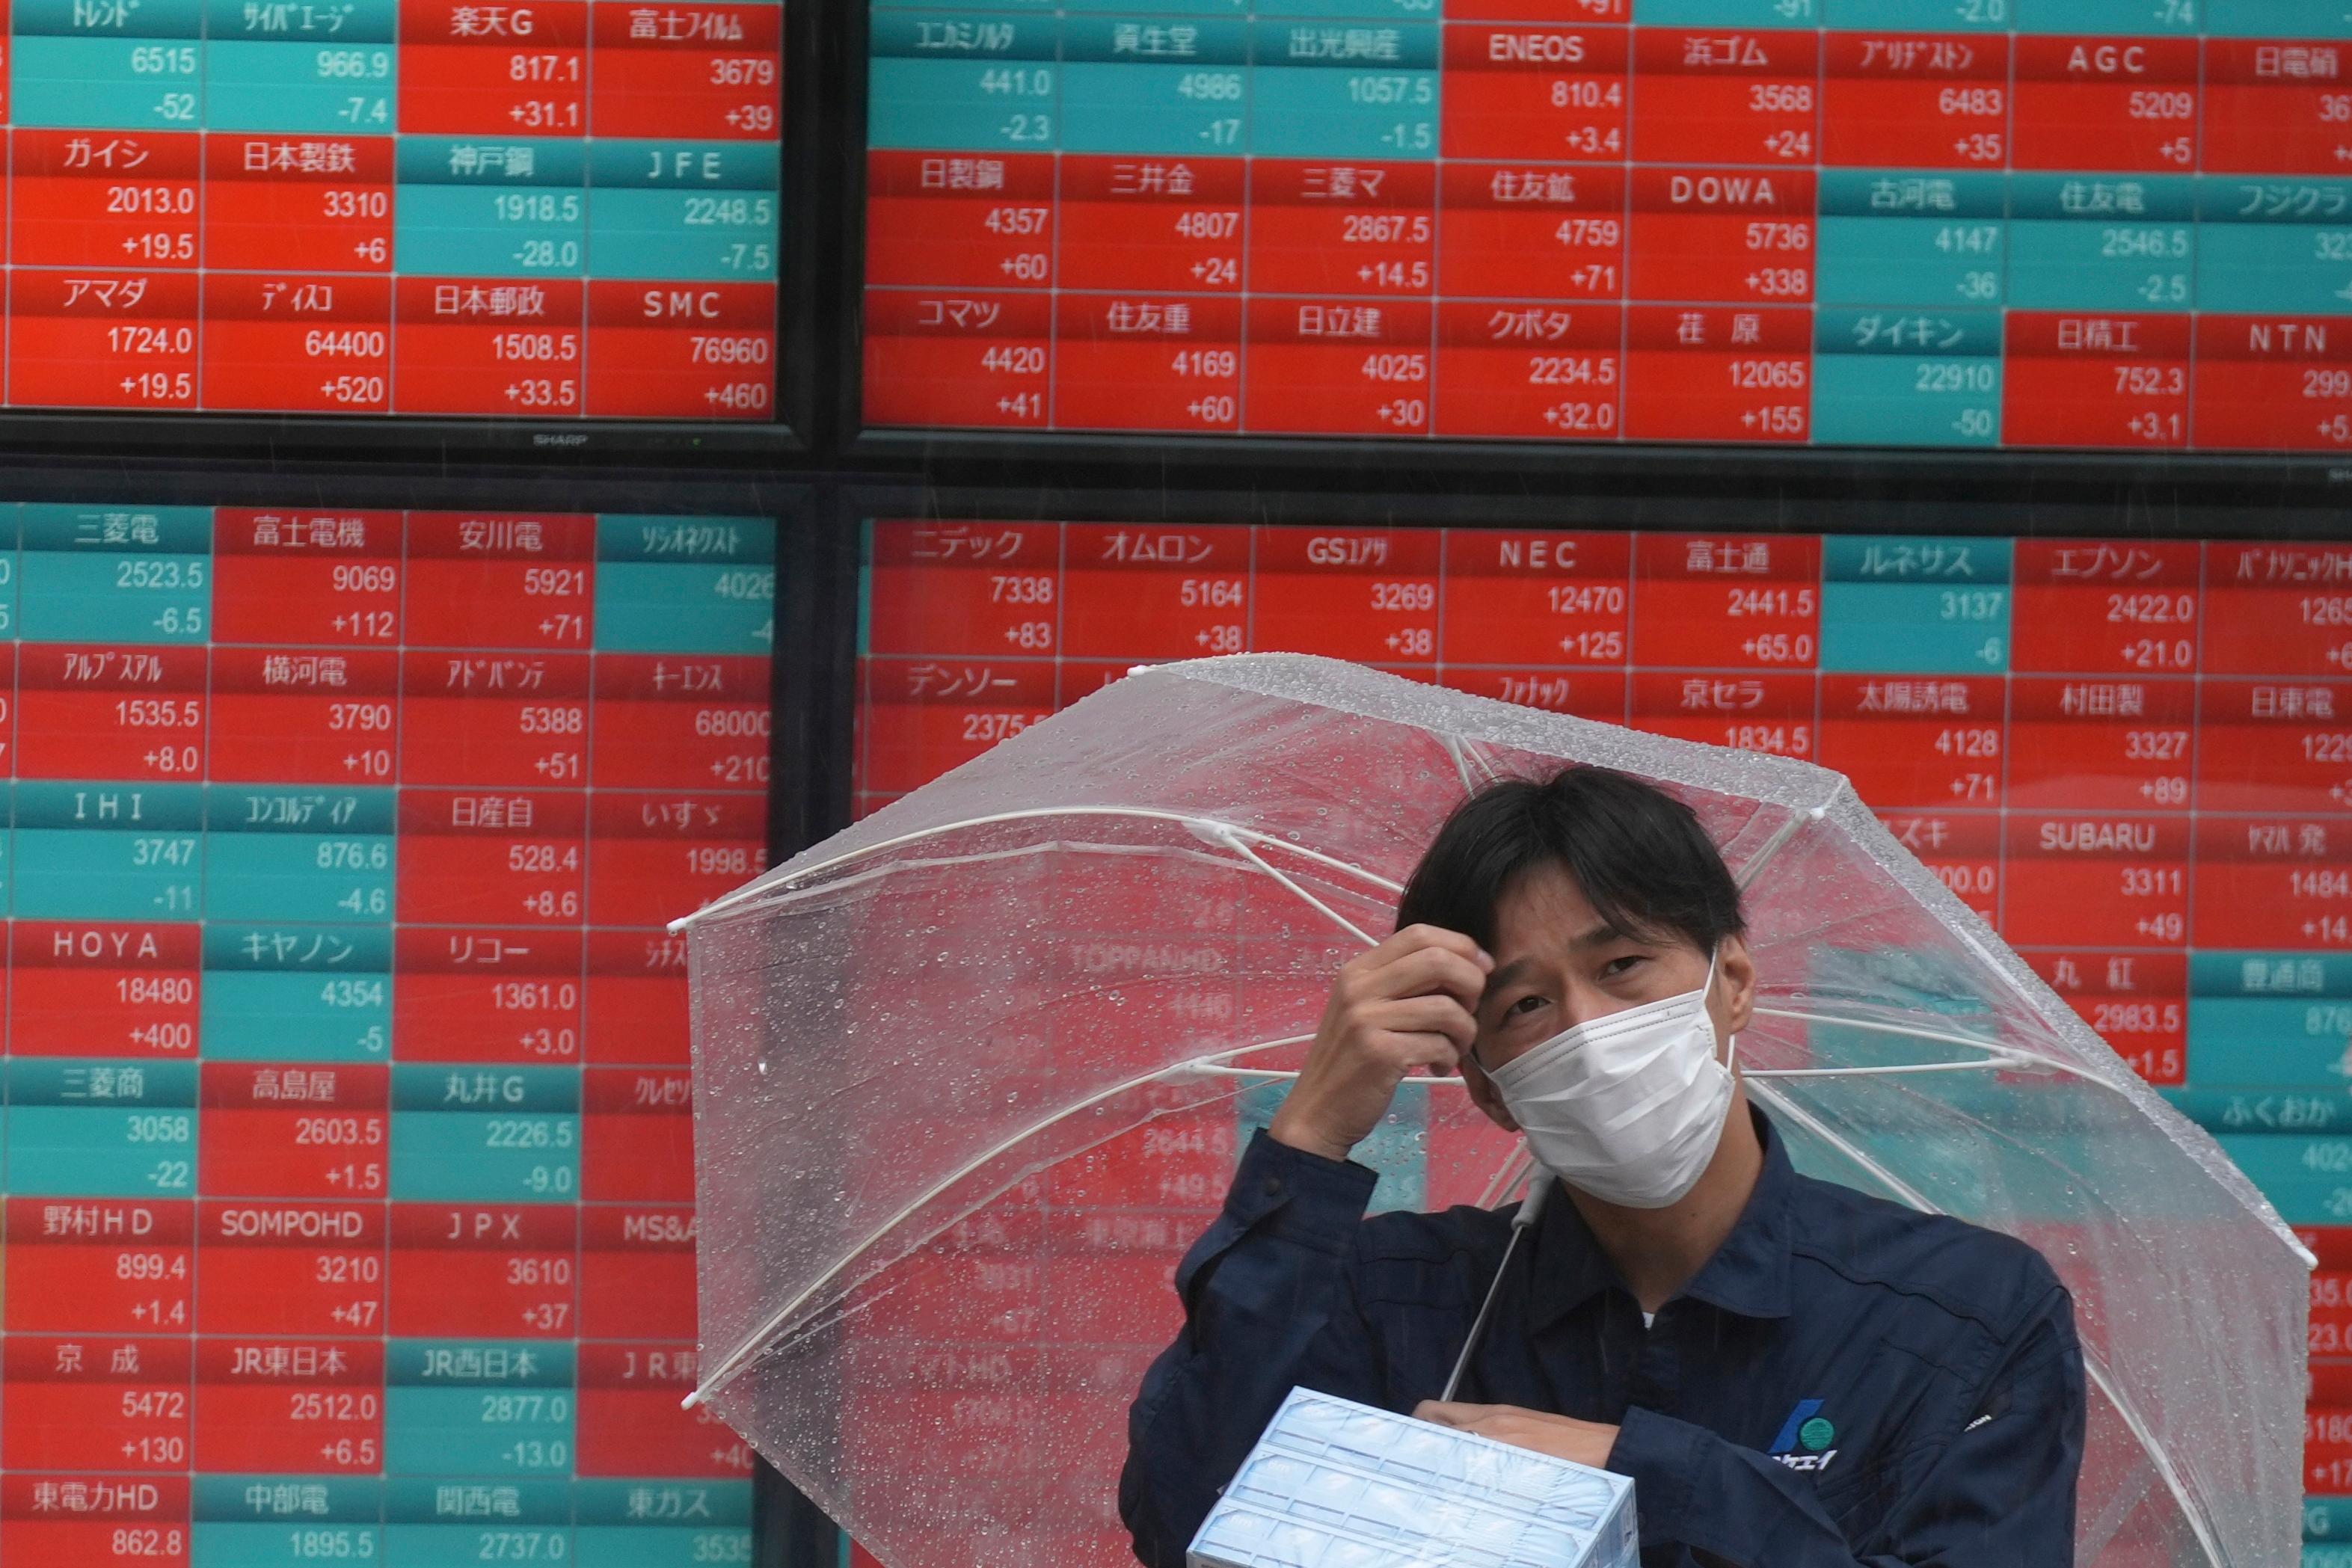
(1530, 1212)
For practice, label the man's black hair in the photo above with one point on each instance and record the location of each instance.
(1640, 855)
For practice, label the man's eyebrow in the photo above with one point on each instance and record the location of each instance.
(1600, 936)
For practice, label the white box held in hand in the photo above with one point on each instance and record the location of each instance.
(1334, 1484)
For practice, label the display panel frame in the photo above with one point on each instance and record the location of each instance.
(967, 454)
(804, 357)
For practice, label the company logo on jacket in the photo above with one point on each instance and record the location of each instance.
(1805, 1429)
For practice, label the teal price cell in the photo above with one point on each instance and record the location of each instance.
(2270, 1020)
(116, 575)
(292, 854)
(661, 1523)
(963, 79)
(1319, 91)
(1890, 237)
(1907, 378)
(1914, 605)
(2292, 20)
(686, 212)
(437, 1524)
(106, 19)
(100, 1129)
(2274, 246)
(127, 64)
(1920, 15)
(464, 1133)
(685, 585)
(490, 209)
(1179, 88)
(2263, 1111)
(2308, 1179)
(2326, 1554)
(2156, 18)
(283, 1522)
(1396, 1148)
(2327, 1519)
(478, 1409)
(108, 852)
(2079, 242)
(296, 993)
(319, 87)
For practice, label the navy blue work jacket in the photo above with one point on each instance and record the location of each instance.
(1845, 1382)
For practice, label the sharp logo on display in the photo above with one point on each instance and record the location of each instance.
(1805, 1428)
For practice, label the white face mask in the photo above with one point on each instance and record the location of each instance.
(1628, 1107)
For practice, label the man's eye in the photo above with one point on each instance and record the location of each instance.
(1525, 1004)
(1618, 968)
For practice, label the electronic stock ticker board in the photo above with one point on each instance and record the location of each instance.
(2110, 223)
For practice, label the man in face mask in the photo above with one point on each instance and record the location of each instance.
(1794, 1375)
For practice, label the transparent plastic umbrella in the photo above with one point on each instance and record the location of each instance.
(970, 1075)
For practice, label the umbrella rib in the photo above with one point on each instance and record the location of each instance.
(2092, 1365)
(1217, 831)
(756, 1340)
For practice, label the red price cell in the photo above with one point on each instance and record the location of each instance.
(2105, 606)
(86, 711)
(280, 1268)
(84, 988)
(1963, 849)
(461, 1270)
(1359, 594)
(120, 339)
(1337, 367)
(711, 75)
(2105, 103)
(1586, 694)
(961, 221)
(971, 359)
(1515, 233)
(495, 718)
(2326, 1448)
(978, 589)
(300, 344)
(1531, 369)
(1914, 101)
(1149, 223)
(470, 859)
(489, 995)
(489, 345)
(2278, 610)
(705, 351)
(332, 1142)
(2138, 1001)
(636, 1271)
(299, 1406)
(110, 1266)
(2101, 745)
(2275, 108)
(121, 1519)
(2275, 746)
(510, 70)
(636, 1135)
(1121, 363)
(2095, 380)
(1136, 591)
(637, 997)
(1725, 602)
(1341, 229)
(88, 1402)
(487, 580)
(2264, 381)
(2330, 1329)
(652, 859)
(82, 198)
(1768, 714)
(630, 1422)
(308, 718)
(2097, 877)
(1538, 93)
(301, 203)
(923, 717)
(1919, 742)
(1720, 97)
(1718, 373)
(1741, 235)
(2274, 881)
(325, 578)
(1539, 598)
(683, 721)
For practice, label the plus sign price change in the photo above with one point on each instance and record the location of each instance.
(2107, 223)
(346, 1135)
(552, 210)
